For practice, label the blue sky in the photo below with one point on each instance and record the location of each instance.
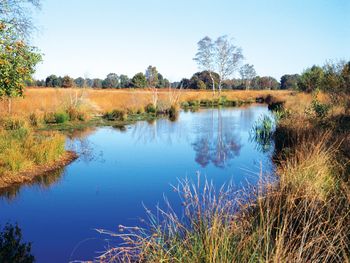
(95, 37)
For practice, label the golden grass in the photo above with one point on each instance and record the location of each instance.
(22, 150)
(40, 100)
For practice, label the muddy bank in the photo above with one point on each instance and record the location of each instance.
(7, 180)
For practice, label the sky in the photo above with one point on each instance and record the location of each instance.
(91, 38)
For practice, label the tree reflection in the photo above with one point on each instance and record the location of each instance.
(44, 182)
(216, 143)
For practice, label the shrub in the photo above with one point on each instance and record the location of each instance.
(173, 112)
(76, 114)
(150, 108)
(49, 117)
(12, 249)
(61, 117)
(193, 103)
(206, 103)
(321, 110)
(185, 104)
(116, 115)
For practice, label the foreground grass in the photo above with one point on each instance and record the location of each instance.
(304, 217)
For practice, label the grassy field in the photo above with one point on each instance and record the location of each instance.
(41, 100)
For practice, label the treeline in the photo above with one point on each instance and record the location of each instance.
(151, 78)
(329, 76)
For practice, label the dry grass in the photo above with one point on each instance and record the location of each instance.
(21, 149)
(40, 100)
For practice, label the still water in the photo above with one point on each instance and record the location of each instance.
(121, 169)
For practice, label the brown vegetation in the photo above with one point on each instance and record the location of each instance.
(41, 100)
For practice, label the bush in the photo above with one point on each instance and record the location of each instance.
(193, 103)
(173, 111)
(150, 108)
(76, 114)
(116, 115)
(61, 117)
(12, 249)
(185, 104)
(321, 110)
(49, 117)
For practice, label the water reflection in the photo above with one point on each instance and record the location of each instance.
(78, 141)
(217, 143)
(43, 182)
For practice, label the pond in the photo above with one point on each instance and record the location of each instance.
(122, 169)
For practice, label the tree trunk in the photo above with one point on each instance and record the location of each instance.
(212, 80)
(220, 86)
(9, 105)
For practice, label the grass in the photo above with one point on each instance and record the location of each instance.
(106, 100)
(303, 217)
(21, 149)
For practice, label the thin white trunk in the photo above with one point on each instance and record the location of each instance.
(212, 80)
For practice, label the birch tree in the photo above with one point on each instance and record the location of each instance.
(247, 73)
(205, 57)
(227, 58)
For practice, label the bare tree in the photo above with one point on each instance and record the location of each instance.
(227, 58)
(247, 73)
(205, 57)
(152, 81)
(17, 14)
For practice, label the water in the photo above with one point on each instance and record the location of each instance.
(122, 168)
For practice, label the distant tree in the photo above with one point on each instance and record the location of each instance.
(184, 84)
(208, 78)
(227, 58)
(255, 82)
(51, 81)
(247, 73)
(152, 76)
(124, 81)
(17, 64)
(111, 81)
(12, 248)
(97, 83)
(89, 82)
(269, 83)
(175, 84)
(336, 82)
(139, 81)
(290, 81)
(201, 85)
(205, 57)
(40, 83)
(311, 79)
(80, 82)
(67, 82)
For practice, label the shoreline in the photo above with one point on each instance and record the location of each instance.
(8, 180)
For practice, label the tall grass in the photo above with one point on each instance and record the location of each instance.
(22, 149)
(101, 101)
